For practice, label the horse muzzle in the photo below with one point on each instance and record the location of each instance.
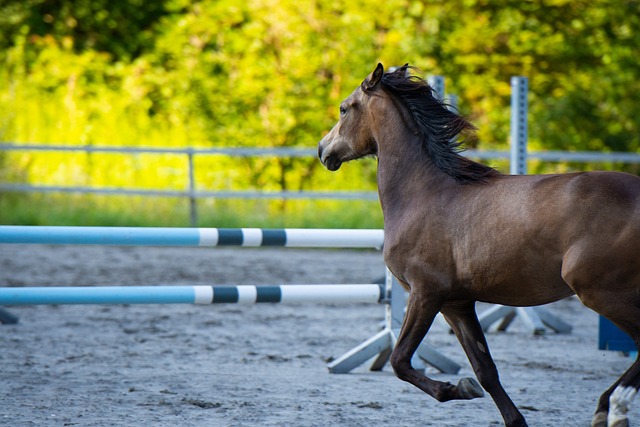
(332, 163)
(328, 159)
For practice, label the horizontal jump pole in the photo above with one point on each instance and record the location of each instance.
(366, 293)
(164, 236)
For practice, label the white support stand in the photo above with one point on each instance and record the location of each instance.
(536, 319)
(382, 343)
(7, 317)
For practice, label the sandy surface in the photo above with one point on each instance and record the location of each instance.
(258, 365)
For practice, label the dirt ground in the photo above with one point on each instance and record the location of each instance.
(256, 365)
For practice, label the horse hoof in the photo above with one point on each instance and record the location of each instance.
(469, 388)
(599, 420)
(619, 422)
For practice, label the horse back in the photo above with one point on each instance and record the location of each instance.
(600, 236)
(588, 204)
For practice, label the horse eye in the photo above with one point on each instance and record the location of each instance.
(343, 111)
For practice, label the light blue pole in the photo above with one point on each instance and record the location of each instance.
(98, 295)
(128, 236)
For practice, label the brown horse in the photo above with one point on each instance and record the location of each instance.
(457, 232)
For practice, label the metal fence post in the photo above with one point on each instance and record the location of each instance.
(452, 101)
(519, 129)
(437, 83)
(193, 205)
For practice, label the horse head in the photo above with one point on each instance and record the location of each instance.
(352, 137)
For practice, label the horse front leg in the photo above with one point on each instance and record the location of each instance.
(464, 322)
(421, 310)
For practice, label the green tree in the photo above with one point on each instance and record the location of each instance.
(124, 29)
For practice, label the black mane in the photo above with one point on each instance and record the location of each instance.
(438, 126)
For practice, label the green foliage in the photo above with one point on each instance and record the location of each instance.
(124, 29)
(272, 73)
(99, 210)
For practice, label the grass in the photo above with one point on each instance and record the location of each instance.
(137, 211)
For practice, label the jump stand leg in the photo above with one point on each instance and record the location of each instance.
(383, 342)
(7, 318)
(436, 359)
(537, 319)
(531, 318)
(377, 344)
(552, 321)
(382, 359)
(495, 313)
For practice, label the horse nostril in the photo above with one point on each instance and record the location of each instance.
(332, 163)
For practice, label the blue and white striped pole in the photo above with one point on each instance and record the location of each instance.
(151, 236)
(346, 294)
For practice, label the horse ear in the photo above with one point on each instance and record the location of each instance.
(374, 78)
(402, 71)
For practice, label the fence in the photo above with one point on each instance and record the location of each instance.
(190, 192)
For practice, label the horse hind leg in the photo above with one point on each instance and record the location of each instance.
(615, 403)
(418, 319)
(620, 303)
(620, 403)
(622, 395)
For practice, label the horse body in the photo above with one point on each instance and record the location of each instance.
(519, 240)
(457, 232)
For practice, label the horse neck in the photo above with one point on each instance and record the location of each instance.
(406, 173)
